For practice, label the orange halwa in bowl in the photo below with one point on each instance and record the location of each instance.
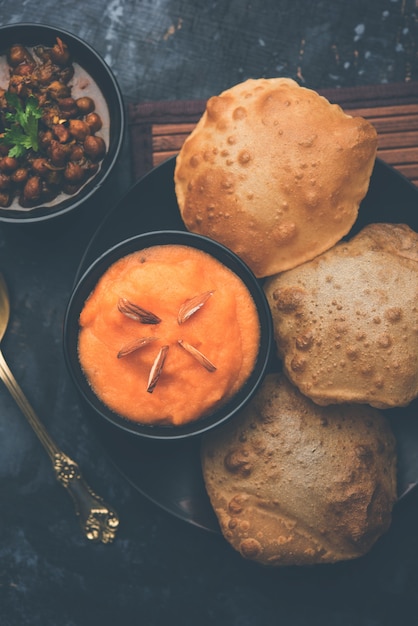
(167, 334)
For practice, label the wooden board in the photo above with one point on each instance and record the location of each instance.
(158, 130)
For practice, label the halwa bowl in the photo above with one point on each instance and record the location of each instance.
(92, 78)
(87, 284)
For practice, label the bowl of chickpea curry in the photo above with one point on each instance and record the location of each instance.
(62, 122)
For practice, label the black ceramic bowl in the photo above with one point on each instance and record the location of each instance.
(109, 100)
(89, 280)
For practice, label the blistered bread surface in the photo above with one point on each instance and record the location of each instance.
(346, 323)
(275, 172)
(293, 483)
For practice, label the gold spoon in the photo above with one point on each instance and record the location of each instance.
(98, 521)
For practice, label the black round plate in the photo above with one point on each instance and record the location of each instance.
(169, 473)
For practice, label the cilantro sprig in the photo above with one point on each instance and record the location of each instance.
(21, 133)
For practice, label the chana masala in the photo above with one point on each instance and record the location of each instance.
(168, 335)
(54, 126)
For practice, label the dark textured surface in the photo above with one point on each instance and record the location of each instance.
(161, 570)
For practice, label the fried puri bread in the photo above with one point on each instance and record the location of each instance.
(293, 483)
(274, 172)
(346, 323)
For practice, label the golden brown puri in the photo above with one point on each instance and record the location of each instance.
(346, 323)
(274, 172)
(293, 483)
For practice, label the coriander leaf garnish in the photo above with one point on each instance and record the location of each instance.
(21, 133)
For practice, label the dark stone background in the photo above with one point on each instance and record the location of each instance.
(161, 570)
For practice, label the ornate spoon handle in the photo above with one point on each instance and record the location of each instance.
(98, 521)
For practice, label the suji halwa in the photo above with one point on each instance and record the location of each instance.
(168, 335)
(53, 125)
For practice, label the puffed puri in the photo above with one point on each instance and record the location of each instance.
(293, 483)
(346, 323)
(275, 172)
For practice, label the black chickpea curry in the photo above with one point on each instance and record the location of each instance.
(53, 125)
